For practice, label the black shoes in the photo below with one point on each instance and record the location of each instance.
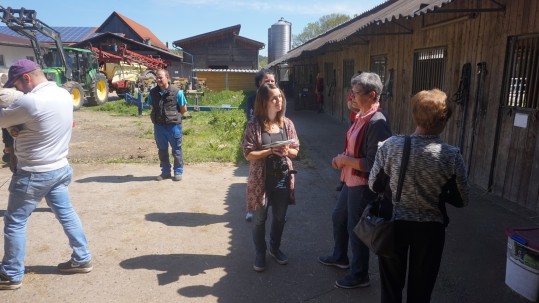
(349, 282)
(7, 284)
(279, 256)
(330, 261)
(260, 259)
(163, 177)
(260, 262)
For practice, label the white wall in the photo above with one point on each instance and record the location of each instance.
(12, 54)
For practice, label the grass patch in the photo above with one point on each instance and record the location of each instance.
(214, 136)
(211, 136)
(232, 98)
(118, 107)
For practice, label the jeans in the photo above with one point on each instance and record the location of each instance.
(25, 192)
(278, 199)
(165, 135)
(350, 206)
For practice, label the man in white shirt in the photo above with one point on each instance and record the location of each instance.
(43, 118)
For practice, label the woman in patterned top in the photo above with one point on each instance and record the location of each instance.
(271, 179)
(419, 222)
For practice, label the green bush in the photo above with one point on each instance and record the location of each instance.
(232, 98)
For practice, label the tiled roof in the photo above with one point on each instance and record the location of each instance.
(143, 32)
(385, 12)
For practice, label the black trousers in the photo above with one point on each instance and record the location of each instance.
(418, 247)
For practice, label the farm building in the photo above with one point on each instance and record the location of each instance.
(223, 58)
(483, 53)
(116, 30)
(222, 49)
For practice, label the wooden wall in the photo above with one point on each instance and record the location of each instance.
(223, 52)
(228, 80)
(510, 166)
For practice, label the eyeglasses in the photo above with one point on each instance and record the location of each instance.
(358, 93)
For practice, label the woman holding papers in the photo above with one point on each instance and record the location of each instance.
(269, 143)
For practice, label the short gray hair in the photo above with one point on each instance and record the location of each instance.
(370, 82)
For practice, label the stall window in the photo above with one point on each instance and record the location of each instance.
(348, 72)
(521, 76)
(429, 69)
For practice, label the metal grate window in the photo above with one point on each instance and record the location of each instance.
(522, 72)
(378, 66)
(348, 72)
(429, 69)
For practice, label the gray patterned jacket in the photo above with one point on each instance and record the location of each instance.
(432, 163)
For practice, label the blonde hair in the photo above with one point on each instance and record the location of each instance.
(430, 110)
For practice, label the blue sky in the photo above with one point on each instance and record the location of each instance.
(172, 20)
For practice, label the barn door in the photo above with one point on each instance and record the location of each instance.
(515, 174)
(304, 78)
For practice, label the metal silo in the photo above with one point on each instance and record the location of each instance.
(279, 39)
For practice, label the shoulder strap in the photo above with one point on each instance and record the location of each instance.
(362, 131)
(404, 164)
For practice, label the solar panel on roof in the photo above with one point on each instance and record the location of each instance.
(67, 34)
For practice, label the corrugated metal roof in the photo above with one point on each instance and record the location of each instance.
(254, 71)
(385, 12)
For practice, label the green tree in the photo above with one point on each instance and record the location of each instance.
(321, 26)
(262, 61)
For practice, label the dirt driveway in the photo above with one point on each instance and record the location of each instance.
(168, 241)
(188, 242)
(101, 137)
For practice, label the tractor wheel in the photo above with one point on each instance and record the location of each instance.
(77, 93)
(99, 93)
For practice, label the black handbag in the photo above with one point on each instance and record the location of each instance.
(374, 229)
(450, 194)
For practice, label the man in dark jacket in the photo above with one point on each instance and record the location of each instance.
(168, 105)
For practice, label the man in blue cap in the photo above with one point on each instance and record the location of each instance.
(44, 118)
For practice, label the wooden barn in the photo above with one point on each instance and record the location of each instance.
(222, 49)
(227, 79)
(483, 53)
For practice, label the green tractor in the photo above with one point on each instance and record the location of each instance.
(75, 69)
(87, 84)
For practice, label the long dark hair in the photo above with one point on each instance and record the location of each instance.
(261, 106)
